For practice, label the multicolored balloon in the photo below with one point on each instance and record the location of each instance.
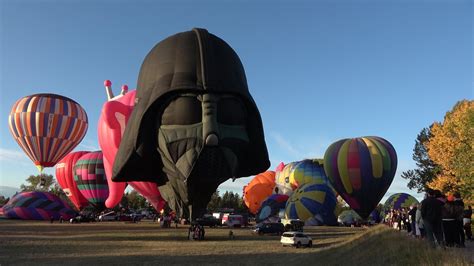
(47, 127)
(361, 170)
(257, 190)
(282, 178)
(400, 200)
(310, 200)
(65, 177)
(89, 175)
(307, 171)
(271, 207)
(112, 123)
(35, 205)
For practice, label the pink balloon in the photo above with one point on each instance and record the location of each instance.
(150, 191)
(112, 123)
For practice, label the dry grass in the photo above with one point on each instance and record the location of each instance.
(145, 243)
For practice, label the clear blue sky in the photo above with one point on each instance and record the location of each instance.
(318, 70)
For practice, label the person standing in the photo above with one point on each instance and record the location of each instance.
(412, 219)
(431, 209)
(420, 230)
(458, 226)
(467, 222)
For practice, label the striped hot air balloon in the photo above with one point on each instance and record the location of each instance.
(310, 200)
(400, 200)
(65, 177)
(47, 127)
(89, 175)
(271, 207)
(35, 205)
(361, 171)
(307, 171)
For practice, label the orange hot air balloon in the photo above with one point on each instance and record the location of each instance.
(258, 190)
(47, 127)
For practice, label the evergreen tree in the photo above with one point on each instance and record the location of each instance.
(426, 169)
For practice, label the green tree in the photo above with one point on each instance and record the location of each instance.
(41, 182)
(136, 201)
(426, 169)
(215, 202)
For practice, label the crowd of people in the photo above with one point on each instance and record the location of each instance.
(442, 220)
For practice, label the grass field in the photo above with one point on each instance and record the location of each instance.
(119, 243)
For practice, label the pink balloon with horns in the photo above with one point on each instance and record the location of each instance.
(112, 122)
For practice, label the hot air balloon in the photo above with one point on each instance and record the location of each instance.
(65, 177)
(282, 179)
(348, 217)
(89, 175)
(400, 200)
(258, 190)
(361, 170)
(150, 191)
(35, 205)
(194, 124)
(313, 200)
(112, 123)
(271, 207)
(307, 171)
(47, 127)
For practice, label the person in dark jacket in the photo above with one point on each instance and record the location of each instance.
(467, 222)
(458, 216)
(449, 215)
(412, 215)
(431, 209)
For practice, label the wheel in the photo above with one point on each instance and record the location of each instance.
(310, 244)
(298, 245)
(260, 232)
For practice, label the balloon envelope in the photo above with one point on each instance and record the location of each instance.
(282, 179)
(47, 127)
(258, 190)
(150, 191)
(65, 177)
(89, 175)
(271, 206)
(35, 205)
(312, 199)
(400, 200)
(361, 171)
(112, 123)
(307, 171)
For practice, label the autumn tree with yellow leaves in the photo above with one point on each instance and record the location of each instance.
(450, 146)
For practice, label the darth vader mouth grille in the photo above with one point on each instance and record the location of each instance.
(210, 166)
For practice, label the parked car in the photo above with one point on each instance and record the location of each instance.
(293, 224)
(269, 228)
(210, 221)
(110, 216)
(82, 219)
(296, 239)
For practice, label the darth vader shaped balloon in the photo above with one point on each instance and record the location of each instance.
(194, 125)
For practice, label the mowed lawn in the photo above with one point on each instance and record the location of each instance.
(120, 243)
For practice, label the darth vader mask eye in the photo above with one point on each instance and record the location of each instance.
(184, 110)
(231, 111)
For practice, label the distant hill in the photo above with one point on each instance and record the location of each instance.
(8, 192)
